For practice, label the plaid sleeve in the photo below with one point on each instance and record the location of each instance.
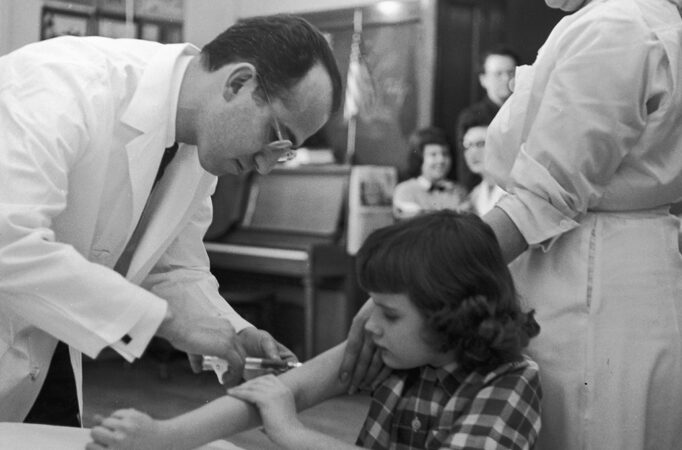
(504, 413)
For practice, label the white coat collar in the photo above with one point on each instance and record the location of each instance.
(152, 112)
(153, 90)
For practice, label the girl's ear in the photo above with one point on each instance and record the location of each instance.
(241, 76)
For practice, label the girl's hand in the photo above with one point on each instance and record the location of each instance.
(126, 429)
(276, 404)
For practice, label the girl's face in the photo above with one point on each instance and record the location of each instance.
(437, 162)
(398, 329)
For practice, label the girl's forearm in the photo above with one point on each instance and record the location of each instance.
(311, 384)
(317, 380)
(218, 419)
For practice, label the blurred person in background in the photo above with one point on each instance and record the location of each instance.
(496, 74)
(485, 194)
(428, 189)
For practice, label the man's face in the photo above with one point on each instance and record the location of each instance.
(234, 134)
(567, 5)
(498, 72)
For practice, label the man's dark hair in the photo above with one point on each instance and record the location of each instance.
(282, 48)
(501, 50)
(420, 139)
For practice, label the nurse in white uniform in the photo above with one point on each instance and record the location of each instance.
(589, 147)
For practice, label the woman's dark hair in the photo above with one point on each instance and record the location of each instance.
(420, 139)
(451, 267)
(282, 48)
(475, 118)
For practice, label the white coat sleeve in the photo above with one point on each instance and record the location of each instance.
(45, 128)
(182, 275)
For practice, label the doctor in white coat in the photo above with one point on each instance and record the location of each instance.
(83, 126)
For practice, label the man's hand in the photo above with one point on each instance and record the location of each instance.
(361, 361)
(261, 344)
(253, 342)
(206, 335)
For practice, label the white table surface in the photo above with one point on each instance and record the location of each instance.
(24, 436)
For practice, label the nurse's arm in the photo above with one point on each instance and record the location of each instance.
(508, 235)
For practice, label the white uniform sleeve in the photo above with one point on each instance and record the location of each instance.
(593, 86)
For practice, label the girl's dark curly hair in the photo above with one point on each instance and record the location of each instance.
(451, 267)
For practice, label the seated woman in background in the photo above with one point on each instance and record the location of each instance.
(485, 194)
(450, 329)
(429, 163)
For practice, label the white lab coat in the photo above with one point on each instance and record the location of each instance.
(83, 123)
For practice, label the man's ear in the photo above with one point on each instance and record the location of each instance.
(241, 75)
(482, 80)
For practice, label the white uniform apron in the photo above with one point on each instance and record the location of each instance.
(609, 332)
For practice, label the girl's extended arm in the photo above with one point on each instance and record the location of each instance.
(311, 383)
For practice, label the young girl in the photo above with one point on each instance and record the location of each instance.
(448, 324)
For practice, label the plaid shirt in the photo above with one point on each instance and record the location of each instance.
(436, 408)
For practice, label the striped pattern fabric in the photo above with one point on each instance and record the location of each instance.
(438, 408)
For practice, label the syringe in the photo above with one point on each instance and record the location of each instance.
(220, 366)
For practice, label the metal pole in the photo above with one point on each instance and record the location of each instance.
(354, 59)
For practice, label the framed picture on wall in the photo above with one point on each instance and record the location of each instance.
(150, 32)
(107, 18)
(59, 22)
(115, 27)
(388, 87)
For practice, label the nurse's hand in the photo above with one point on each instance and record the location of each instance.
(361, 362)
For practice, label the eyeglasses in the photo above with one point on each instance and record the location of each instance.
(502, 73)
(280, 144)
(474, 144)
